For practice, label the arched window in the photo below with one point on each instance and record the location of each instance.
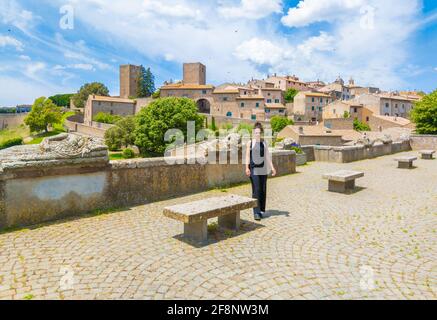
(229, 114)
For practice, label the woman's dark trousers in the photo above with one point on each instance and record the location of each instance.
(259, 189)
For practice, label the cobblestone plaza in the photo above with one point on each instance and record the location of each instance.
(376, 243)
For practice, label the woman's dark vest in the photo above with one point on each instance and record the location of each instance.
(257, 154)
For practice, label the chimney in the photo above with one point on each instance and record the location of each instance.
(300, 130)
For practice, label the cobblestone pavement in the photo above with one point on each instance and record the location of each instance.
(377, 243)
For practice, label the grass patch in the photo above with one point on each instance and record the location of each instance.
(16, 132)
(29, 297)
(116, 156)
(60, 126)
(40, 137)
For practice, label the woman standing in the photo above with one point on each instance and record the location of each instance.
(258, 165)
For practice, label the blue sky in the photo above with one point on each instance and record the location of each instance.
(391, 44)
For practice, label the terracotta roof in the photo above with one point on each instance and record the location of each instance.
(271, 89)
(398, 120)
(111, 99)
(181, 86)
(250, 98)
(227, 91)
(275, 106)
(315, 94)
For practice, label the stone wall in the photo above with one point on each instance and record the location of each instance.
(339, 123)
(423, 141)
(31, 194)
(354, 153)
(11, 120)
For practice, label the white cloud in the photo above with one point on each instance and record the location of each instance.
(24, 57)
(33, 68)
(10, 41)
(83, 66)
(252, 9)
(310, 11)
(435, 69)
(260, 51)
(374, 50)
(176, 9)
(12, 13)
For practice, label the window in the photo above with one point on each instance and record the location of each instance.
(268, 94)
(100, 103)
(267, 110)
(312, 108)
(229, 114)
(312, 99)
(225, 98)
(320, 108)
(386, 105)
(245, 92)
(367, 119)
(242, 104)
(257, 104)
(112, 112)
(396, 105)
(321, 100)
(269, 100)
(281, 110)
(403, 106)
(253, 116)
(203, 91)
(276, 100)
(355, 110)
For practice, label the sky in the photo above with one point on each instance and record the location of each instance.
(52, 46)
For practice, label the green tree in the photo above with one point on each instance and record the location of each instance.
(62, 100)
(424, 114)
(97, 88)
(114, 138)
(346, 114)
(149, 81)
(290, 94)
(145, 83)
(128, 125)
(361, 126)
(156, 94)
(104, 117)
(161, 115)
(44, 113)
(279, 122)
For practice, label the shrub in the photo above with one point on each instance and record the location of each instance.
(297, 149)
(424, 114)
(245, 126)
(161, 115)
(290, 94)
(104, 117)
(128, 153)
(114, 138)
(361, 126)
(44, 113)
(278, 123)
(11, 142)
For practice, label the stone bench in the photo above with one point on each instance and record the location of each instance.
(195, 214)
(342, 180)
(405, 162)
(427, 154)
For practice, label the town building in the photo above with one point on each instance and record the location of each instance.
(112, 105)
(388, 104)
(309, 105)
(286, 82)
(129, 80)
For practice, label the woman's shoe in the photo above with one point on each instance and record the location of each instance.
(257, 217)
(262, 213)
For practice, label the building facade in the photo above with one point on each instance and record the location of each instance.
(308, 105)
(128, 80)
(112, 105)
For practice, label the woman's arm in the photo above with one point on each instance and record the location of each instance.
(269, 159)
(248, 157)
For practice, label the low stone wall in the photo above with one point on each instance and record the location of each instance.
(309, 151)
(423, 141)
(8, 120)
(339, 123)
(354, 153)
(30, 195)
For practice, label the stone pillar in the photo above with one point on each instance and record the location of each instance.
(230, 221)
(197, 231)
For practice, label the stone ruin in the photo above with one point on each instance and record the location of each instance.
(61, 149)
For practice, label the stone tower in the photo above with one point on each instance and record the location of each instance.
(128, 80)
(194, 73)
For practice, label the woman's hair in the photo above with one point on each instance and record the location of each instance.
(258, 125)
